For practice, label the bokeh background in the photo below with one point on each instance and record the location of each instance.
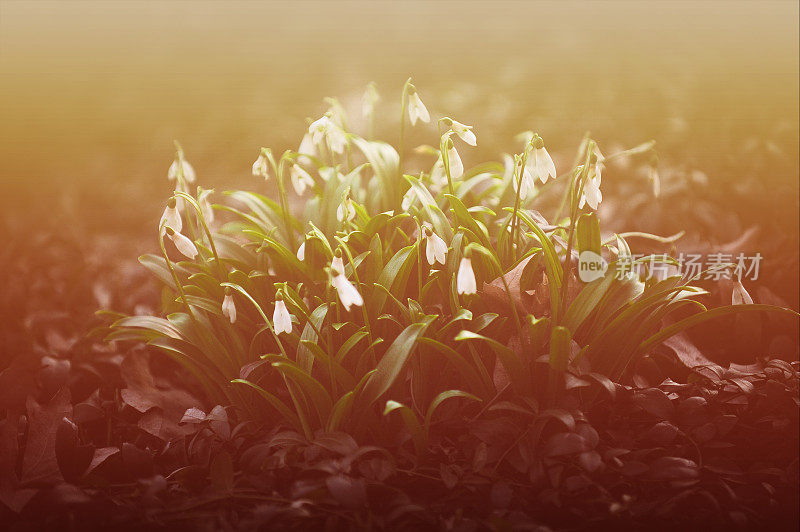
(92, 95)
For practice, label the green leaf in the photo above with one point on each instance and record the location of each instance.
(438, 400)
(392, 363)
(413, 425)
(508, 358)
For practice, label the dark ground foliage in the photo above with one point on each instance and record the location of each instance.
(114, 436)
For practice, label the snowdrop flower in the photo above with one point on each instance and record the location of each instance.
(345, 210)
(465, 280)
(526, 182)
(184, 171)
(281, 318)
(435, 247)
(416, 109)
(182, 243)
(369, 100)
(739, 296)
(171, 217)
(325, 128)
(463, 131)
(539, 163)
(454, 161)
(300, 179)
(591, 189)
(261, 165)
(228, 306)
(205, 205)
(301, 251)
(348, 294)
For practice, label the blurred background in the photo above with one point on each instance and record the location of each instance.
(92, 95)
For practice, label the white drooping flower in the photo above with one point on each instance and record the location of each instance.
(739, 296)
(539, 163)
(182, 243)
(281, 318)
(228, 306)
(205, 205)
(417, 109)
(465, 280)
(301, 179)
(345, 210)
(261, 165)
(171, 217)
(348, 294)
(301, 251)
(591, 189)
(325, 128)
(463, 131)
(183, 170)
(454, 161)
(435, 247)
(526, 182)
(369, 100)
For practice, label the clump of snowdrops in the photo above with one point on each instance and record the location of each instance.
(362, 291)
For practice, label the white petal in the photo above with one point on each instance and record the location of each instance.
(439, 248)
(417, 110)
(456, 166)
(171, 218)
(300, 179)
(184, 245)
(465, 281)
(340, 212)
(229, 308)
(172, 173)
(188, 172)
(301, 252)
(430, 252)
(337, 266)
(740, 295)
(281, 318)
(348, 294)
(307, 145)
(464, 132)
